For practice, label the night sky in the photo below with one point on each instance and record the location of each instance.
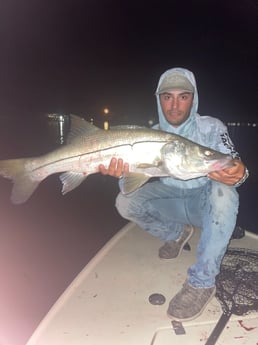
(80, 56)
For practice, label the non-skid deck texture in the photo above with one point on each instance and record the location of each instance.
(108, 302)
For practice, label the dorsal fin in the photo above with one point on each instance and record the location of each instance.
(79, 126)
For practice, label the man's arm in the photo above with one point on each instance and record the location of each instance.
(238, 173)
(235, 175)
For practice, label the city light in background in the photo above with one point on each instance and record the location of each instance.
(106, 123)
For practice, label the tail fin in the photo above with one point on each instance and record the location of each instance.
(14, 169)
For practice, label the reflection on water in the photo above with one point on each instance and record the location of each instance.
(244, 136)
(58, 127)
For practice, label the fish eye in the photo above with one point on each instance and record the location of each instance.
(208, 153)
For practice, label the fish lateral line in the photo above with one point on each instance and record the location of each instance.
(93, 152)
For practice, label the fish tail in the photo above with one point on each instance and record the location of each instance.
(23, 188)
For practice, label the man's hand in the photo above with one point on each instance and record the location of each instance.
(229, 176)
(116, 168)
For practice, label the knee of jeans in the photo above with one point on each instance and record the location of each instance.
(223, 191)
(128, 206)
(122, 205)
(226, 195)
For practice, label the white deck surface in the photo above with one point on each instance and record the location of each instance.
(108, 301)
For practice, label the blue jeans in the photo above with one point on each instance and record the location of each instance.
(164, 210)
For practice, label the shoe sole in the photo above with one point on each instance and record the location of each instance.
(196, 315)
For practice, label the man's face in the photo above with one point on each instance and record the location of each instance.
(176, 106)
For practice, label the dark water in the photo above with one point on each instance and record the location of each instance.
(48, 240)
(245, 137)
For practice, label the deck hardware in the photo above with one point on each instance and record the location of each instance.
(178, 327)
(157, 299)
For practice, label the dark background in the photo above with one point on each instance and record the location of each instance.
(79, 57)
(83, 55)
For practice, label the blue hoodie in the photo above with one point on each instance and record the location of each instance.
(204, 130)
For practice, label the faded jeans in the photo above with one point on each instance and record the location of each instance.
(163, 211)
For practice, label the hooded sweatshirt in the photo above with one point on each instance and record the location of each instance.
(204, 130)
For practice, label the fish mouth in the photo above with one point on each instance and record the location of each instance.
(223, 164)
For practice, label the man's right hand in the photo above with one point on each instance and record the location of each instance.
(116, 168)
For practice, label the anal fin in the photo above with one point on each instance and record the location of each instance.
(71, 180)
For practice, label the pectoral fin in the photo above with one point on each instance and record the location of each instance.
(132, 181)
(156, 163)
(145, 165)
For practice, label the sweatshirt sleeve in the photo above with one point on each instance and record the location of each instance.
(227, 144)
(220, 139)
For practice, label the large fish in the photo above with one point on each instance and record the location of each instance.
(149, 153)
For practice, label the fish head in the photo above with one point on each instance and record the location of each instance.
(185, 159)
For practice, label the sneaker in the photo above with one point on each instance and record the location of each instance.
(190, 302)
(172, 249)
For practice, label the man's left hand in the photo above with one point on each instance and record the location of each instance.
(229, 176)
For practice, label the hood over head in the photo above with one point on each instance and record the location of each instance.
(178, 79)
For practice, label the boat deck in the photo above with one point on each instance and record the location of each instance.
(108, 302)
